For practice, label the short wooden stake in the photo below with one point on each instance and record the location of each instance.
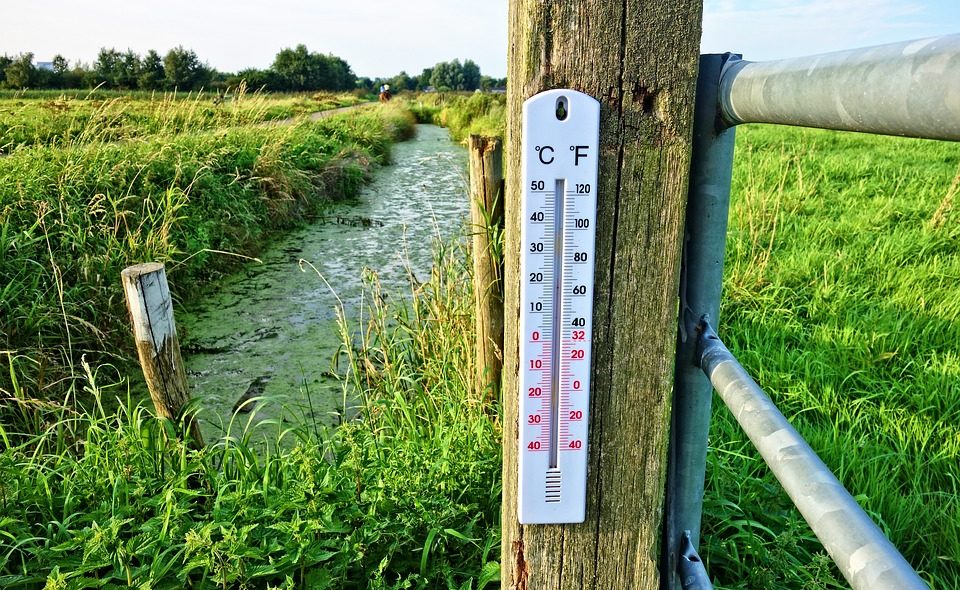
(155, 332)
(486, 214)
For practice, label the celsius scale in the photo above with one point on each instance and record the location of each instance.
(559, 157)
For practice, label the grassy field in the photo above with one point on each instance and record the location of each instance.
(406, 496)
(72, 216)
(60, 119)
(840, 297)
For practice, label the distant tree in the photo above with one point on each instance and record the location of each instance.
(471, 75)
(5, 60)
(440, 77)
(401, 82)
(21, 73)
(45, 78)
(255, 79)
(75, 77)
(448, 76)
(341, 75)
(60, 65)
(107, 68)
(365, 84)
(128, 71)
(183, 70)
(423, 80)
(299, 69)
(452, 75)
(86, 76)
(152, 74)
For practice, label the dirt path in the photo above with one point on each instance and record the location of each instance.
(331, 112)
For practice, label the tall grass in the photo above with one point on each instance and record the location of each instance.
(405, 496)
(64, 120)
(72, 217)
(841, 298)
(463, 114)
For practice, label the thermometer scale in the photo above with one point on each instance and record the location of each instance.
(559, 158)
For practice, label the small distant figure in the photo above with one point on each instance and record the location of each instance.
(385, 95)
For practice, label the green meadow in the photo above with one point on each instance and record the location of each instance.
(841, 297)
(98, 116)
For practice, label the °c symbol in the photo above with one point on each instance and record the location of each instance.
(542, 151)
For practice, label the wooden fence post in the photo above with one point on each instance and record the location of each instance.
(155, 332)
(639, 58)
(486, 215)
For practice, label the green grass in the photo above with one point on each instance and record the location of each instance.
(841, 298)
(71, 218)
(463, 114)
(405, 496)
(47, 118)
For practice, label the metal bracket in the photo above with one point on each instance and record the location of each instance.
(690, 568)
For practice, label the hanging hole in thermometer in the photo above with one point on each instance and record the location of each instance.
(559, 157)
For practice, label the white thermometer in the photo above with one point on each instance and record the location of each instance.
(559, 175)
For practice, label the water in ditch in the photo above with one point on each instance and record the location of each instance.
(271, 329)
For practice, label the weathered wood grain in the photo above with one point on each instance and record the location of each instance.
(486, 219)
(155, 332)
(639, 58)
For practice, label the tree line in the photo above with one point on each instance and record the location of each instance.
(296, 69)
(293, 70)
(444, 76)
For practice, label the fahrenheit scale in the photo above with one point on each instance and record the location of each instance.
(559, 176)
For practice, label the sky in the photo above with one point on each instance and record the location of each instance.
(382, 37)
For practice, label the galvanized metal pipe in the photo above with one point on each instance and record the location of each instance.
(864, 555)
(705, 233)
(910, 89)
(693, 574)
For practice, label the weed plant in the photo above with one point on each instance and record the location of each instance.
(71, 218)
(405, 496)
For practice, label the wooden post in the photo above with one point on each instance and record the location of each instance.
(155, 332)
(486, 214)
(639, 58)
